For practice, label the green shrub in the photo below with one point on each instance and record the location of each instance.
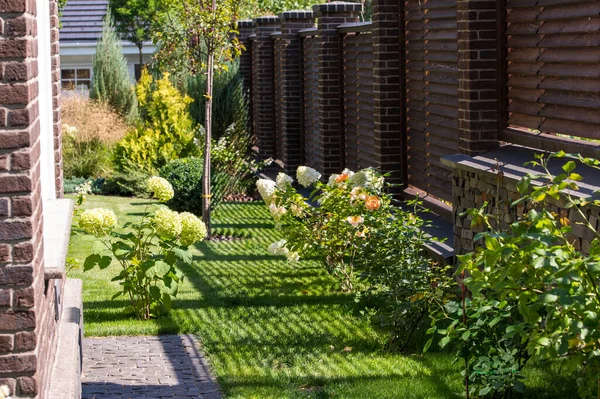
(131, 182)
(185, 175)
(166, 131)
(85, 158)
(110, 81)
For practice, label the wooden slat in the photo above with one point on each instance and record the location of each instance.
(569, 11)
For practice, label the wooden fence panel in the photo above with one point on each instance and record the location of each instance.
(553, 55)
(431, 93)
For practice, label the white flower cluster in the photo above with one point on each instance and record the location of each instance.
(167, 223)
(97, 221)
(192, 229)
(161, 188)
(266, 188)
(85, 188)
(277, 211)
(278, 248)
(307, 176)
(366, 178)
(283, 180)
(4, 392)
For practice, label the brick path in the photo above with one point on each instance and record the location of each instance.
(167, 366)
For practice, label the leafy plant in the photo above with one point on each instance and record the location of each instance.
(166, 131)
(534, 270)
(110, 78)
(147, 251)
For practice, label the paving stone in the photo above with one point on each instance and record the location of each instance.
(149, 367)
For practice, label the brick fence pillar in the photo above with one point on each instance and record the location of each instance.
(388, 63)
(478, 74)
(331, 139)
(263, 105)
(291, 86)
(246, 28)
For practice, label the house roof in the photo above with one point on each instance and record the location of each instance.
(82, 20)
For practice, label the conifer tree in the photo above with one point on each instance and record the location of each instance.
(110, 81)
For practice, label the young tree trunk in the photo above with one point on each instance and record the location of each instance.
(208, 127)
(141, 61)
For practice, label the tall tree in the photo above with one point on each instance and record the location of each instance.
(134, 20)
(110, 79)
(199, 37)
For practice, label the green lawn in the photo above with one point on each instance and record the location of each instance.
(272, 329)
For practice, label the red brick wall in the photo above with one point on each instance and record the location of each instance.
(245, 28)
(27, 326)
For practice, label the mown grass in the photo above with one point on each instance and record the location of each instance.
(272, 329)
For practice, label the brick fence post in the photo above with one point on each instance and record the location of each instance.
(331, 139)
(388, 71)
(291, 86)
(263, 105)
(478, 74)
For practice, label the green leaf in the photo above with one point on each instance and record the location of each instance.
(118, 294)
(466, 335)
(97, 247)
(90, 262)
(427, 345)
(548, 298)
(445, 341)
(166, 300)
(161, 268)
(485, 390)
(183, 255)
(569, 166)
(519, 387)
(543, 341)
(104, 262)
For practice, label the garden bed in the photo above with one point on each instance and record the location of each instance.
(273, 329)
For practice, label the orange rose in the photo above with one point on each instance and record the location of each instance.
(341, 178)
(372, 202)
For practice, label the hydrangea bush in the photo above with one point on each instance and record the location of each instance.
(351, 227)
(147, 251)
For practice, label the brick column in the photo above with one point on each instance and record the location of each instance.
(291, 86)
(21, 247)
(478, 74)
(331, 140)
(55, 50)
(388, 62)
(263, 106)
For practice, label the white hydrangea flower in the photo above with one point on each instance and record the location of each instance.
(167, 223)
(366, 178)
(296, 210)
(278, 248)
(277, 211)
(348, 172)
(307, 176)
(266, 188)
(161, 188)
(85, 188)
(332, 179)
(293, 256)
(97, 221)
(192, 229)
(355, 220)
(283, 180)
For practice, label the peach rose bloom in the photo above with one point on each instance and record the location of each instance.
(372, 202)
(341, 178)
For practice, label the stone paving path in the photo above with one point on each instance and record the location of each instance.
(166, 366)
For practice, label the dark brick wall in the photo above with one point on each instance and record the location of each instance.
(291, 86)
(263, 111)
(331, 140)
(246, 29)
(55, 49)
(27, 325)
(478, 73)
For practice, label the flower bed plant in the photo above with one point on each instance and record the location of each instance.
(147, 251)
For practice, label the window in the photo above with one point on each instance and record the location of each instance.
(76, 79)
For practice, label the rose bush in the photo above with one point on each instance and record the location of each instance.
(351, 227)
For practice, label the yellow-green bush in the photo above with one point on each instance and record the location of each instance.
(166, 130)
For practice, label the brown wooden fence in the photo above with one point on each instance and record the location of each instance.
(467, 76)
